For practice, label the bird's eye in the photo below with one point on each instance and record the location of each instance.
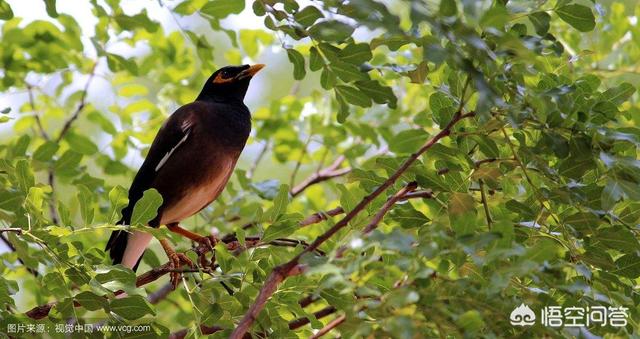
(225, 74)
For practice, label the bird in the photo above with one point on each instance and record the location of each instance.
(189, 163)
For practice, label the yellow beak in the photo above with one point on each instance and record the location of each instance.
(251, 71)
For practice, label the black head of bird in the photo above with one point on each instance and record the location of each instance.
(229, 84)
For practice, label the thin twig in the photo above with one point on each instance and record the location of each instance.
(324, 174)
(330, 326)
(53, 211)
(388, 205)
(255, 163)
(32, 103)
(485, 204)
(81, 105)
(285, 270)
(297, 323)
(16, 230)
(294, 173)
(13, 249)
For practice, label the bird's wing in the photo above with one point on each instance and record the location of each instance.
(173, 133)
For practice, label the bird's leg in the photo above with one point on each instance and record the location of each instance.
(176, 261)
(208, 241)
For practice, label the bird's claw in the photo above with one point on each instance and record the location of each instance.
(177, 260)
(207, 243)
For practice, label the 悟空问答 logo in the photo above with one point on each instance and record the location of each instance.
(522, 316)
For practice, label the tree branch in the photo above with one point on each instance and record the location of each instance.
(256, 162)
(81, 105)
(330, 326)
(324, 174)
(283, 271)
(388, 205)
(297, 323)
(32, 103)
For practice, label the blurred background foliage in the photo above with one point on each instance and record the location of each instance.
(533, 201)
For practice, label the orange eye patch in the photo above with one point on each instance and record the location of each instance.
(220, 79)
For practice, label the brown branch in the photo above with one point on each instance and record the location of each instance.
(13, 249)
(160, 294)
(81, 105)
(297, 323)
(485, 204)
(154, 274)
(324, 174)
(330, 326)
(296, 168)
(388, 205)
(283, 271)
(32, 103)
(256, 162)
(16, 230)
(203, 328)
(53, 211)
(308, 300)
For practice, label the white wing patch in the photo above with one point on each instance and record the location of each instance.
(166, 156)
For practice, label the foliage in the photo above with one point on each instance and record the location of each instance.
(533, 200)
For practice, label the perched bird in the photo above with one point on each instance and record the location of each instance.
(189, 163)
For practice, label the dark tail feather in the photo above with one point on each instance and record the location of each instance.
(116, 246)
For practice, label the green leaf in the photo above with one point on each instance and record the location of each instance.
(46, 151)
(282, 228)
(408, 141)
(419, 75)
(147, 207)
(355, 53)
(113, 278)
(81, 143)
(369, 180)
(267, 189)
(583, 222)
(327, 78)
(578, 16)
(331, 31)
(308, 15)
(131, 308)
(448, 8)
(496, 17)
(119, 63)
(408, 217)
(543, 250)
(619, 94)
(138, 21)
(540, 21)
(628, 266)
(222, 8)
(51, 8)
(462, 213)
(280, 203)
(91, 301)
(352, 96)
(348, 72)
(68, 162)
(118, 199)
(471, 321)
(24, 176)
(617, 238)
(298, 63)
(85, 198)
(443, 108)
(378, 93)
(611, 193)
(54, 283)
(7, 288)
(5, 11)
(315, 59)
